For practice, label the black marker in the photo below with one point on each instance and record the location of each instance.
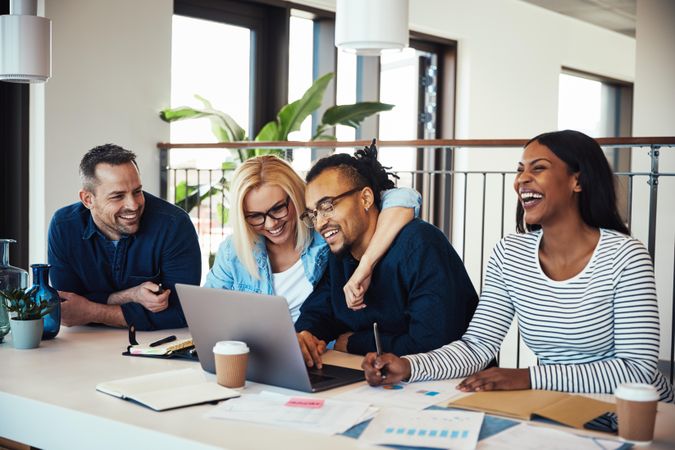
(378, 347)
(163, 341)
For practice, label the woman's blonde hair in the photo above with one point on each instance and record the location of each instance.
(252, 174)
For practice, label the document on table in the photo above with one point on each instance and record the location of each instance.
(530, 437)
(417, 396)
(326, 416)
(456, 430)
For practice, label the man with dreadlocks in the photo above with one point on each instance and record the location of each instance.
(419, 293)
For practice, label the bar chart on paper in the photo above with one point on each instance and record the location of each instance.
(436, 429)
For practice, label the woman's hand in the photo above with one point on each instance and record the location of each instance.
(496, 379)
(356, 287)
(385, 369)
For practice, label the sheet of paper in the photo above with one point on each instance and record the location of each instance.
(457, 430)
(417, 396)
(529, 437)
(331, 417)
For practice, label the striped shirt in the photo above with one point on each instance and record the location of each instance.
(590, 333)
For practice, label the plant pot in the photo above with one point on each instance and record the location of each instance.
(26, 333)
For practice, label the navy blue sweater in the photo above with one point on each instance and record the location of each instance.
(420, 295)
(164, 250)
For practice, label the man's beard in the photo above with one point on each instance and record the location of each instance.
(343, 251)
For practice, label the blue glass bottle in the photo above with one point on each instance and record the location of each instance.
(11, 278)
(42, 290)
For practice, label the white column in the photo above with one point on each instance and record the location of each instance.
(654, 115)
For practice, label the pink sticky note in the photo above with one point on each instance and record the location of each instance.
(305, 402)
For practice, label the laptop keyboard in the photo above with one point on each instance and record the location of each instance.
(315, 377)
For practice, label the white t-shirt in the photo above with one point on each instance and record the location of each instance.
(294, 286)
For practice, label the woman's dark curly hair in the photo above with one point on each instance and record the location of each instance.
(363, 169)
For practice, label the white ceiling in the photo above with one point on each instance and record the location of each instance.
(616, 15)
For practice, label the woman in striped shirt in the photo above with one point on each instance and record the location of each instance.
(582, 288)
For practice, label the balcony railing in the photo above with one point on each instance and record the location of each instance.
(465, 187)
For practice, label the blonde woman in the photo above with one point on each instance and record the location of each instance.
(271, 252)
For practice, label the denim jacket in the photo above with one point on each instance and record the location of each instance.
(229, 273)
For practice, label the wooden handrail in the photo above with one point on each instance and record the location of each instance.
(666, 141)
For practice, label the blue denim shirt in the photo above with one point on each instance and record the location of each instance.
(229, 273)
(164, 250)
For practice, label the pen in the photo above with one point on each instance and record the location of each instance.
(163, 341)
(378, 346)
(160, 289)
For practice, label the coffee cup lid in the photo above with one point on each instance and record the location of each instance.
(637, 392)
(230, 348)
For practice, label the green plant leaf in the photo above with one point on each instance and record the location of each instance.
(324, 137)
(353, 115)
(292, 115)
(223, 213)
(223, 126)
(188, 196)
(270, 132)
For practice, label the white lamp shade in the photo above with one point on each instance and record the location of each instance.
(25, 48)
(366, 27)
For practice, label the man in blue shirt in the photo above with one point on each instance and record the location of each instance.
(117, 253)
(419, 293)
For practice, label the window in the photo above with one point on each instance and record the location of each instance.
(600, 107)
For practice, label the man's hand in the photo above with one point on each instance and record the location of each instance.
(356, 287)
(398, 369)
(341, 342)
(312, 348)
(146, 295)
(75, 310)
(495, 379)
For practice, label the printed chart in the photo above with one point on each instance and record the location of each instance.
(410, 396)
(436, 429)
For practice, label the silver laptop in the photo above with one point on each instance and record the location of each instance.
(264, 323)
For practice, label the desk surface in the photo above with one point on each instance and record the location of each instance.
(48, 400)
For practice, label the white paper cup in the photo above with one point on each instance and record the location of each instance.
(231, 358)
(636, 408)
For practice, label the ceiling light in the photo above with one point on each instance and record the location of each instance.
(25, 44)
(366, 27)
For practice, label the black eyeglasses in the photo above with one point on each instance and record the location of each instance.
(325, 208)
(276, 212)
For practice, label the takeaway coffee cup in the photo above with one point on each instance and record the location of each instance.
(636, 408)
(231, 359)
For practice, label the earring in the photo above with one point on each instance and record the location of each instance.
(366, 209)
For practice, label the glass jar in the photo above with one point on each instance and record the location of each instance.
(42, 291)
(11, 278)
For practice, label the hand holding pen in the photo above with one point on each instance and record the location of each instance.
(384, 368)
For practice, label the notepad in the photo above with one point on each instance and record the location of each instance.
(568, 409)
(168, 390)
(163, 349)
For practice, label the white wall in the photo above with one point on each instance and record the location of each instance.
(110, 77)
(654, 115)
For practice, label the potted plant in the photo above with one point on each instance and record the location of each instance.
(288, 119)
(26, 310)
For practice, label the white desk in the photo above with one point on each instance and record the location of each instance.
(48, 400)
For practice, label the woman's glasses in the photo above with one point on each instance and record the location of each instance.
(277, 212)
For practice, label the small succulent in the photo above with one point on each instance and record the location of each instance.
(24, 304)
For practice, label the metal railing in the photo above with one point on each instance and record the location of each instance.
(464, 184)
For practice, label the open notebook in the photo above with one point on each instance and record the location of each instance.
(168, 390)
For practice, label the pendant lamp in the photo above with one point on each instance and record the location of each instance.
(366, 27)
(25, 44)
